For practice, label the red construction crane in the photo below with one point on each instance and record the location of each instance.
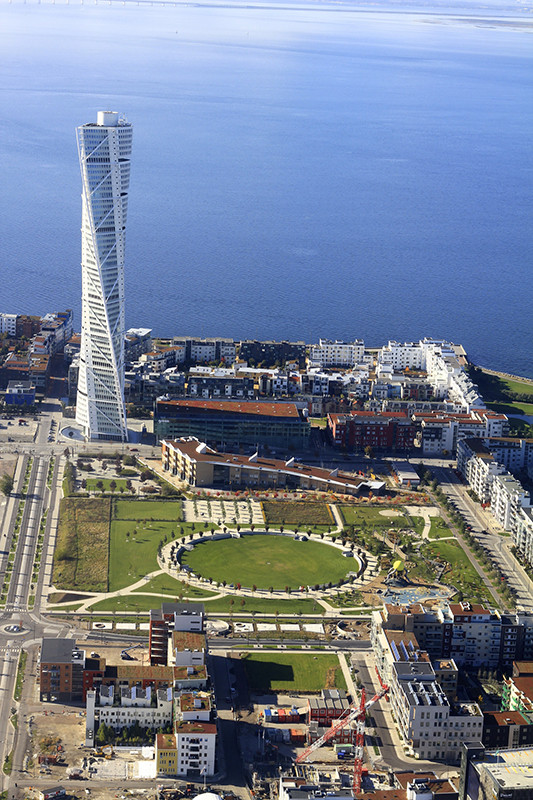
(353, 713)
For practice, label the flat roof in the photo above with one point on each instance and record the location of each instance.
(287, 410)
(188, 640)
(58, 651)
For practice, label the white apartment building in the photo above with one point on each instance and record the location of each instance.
(429, 724)
(328, 353)
(195, 742)
(194, 706)
(134, 705)
(8, 324)
(515, 454)
(441, 432)
(478, 466)
(188, 751)
(523, 533)
(476, 634)
(104, 152)
(186, 649)
(409, 355)
(507, 497)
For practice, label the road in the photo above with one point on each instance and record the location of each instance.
(486, 531)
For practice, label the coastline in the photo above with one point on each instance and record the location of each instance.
(508, 375)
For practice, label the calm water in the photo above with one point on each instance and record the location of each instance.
(297, 172)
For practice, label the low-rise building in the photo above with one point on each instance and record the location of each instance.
(331, 704)
(195, 463)
(186, 649)
(20, 393)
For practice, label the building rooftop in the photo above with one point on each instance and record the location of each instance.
(278, 410)
(188, 640)
(195, 727)
(190, 701)
(165, 741)
(60, 651)
(200, 452)
(504, 718)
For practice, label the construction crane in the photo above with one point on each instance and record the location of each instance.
(125, 654)
(352, 714)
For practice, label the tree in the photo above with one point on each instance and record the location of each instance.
(369, 452)
(100, 485)
(6, 485)
(112, 485)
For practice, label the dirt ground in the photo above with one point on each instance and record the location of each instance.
(57, 727)
(7, 464)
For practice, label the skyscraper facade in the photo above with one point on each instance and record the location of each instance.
(104, 150)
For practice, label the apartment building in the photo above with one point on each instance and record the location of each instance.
(470, 635)
(204, 350)
(523, 533)
(507, 729)
(431, 726)
(171, 618)
(8, 324)
(270, 354)
(439, 433)
(186, 649)
(61, 667)
(507, 497)
(328, 353)
(133, 705)
(189, 751)
(379, 430)
(479, 467)
(517, 690)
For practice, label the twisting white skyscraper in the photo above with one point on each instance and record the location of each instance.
(104, 150)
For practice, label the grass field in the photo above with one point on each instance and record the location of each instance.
(293, 671)
(104, 544)
(148, 509)
(495, 389)
(368, 517)
(82, 550)
(439, 529)
(266, 561)
(143, 603)
(166, 584)
(297, 513)
(462, 574)
(260, 605)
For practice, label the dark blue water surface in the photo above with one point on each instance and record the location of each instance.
(297, 171)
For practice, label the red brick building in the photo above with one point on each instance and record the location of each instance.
(381, 430)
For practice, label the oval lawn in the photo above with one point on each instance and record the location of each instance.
(269, 561)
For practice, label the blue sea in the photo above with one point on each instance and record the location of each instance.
(300, 170)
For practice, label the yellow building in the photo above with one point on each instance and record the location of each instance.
(166, 754)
